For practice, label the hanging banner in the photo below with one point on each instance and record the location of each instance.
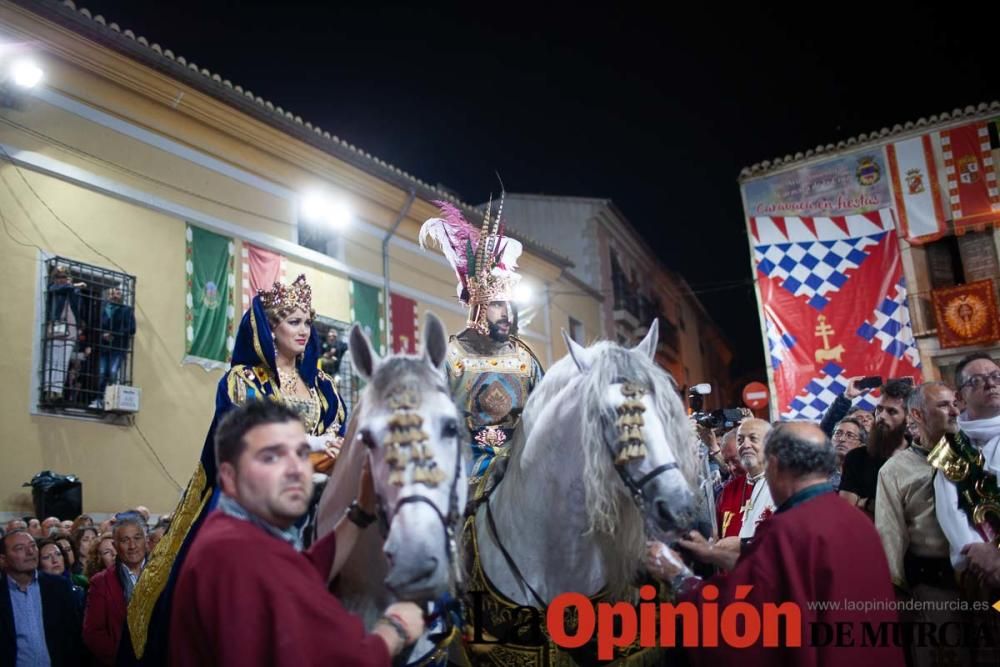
(210, 315)
(915, 185)
(840, 186)
(367, 308)
(834, 302)
(972, 179)
(261, 269)
(404, 326)
(967, 314)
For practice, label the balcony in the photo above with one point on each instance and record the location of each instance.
(626, 305)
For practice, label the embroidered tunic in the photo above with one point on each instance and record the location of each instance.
(490, 382)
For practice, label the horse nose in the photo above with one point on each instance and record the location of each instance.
(669, 518)
(664, 514)
(411, 574)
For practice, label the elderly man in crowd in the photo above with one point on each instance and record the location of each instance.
(797, 556)
(915, 546)
(756, 508)
(977, 378)
(111, 589)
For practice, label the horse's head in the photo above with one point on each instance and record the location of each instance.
(412, 431)
(647, 450)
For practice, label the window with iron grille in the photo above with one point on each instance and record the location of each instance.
(88, 326)
(335, 359)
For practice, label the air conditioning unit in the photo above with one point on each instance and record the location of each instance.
(122, 398)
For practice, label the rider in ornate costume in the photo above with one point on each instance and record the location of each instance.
(491, 371)
(276, 357)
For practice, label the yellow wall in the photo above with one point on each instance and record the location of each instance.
(330, 292)
(117, 467)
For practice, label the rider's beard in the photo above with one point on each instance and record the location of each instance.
(500, 336)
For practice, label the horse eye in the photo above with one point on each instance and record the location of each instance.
(449, 429)
(366, 438)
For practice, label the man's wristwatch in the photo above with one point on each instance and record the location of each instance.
(358, 516)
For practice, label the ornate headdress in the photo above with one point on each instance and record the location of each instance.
(288, 298)
(484, 260)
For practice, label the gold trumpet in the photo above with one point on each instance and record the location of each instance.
(952, 464)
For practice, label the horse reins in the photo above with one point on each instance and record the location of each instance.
(630, 424)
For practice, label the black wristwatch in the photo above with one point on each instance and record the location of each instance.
(358, 516)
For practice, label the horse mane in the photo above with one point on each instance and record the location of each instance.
(613, 519)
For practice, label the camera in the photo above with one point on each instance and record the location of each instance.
(724, 418)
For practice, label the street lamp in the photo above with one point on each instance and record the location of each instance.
(523, 294)
(318, 207)
(25, 73)
(17, 76)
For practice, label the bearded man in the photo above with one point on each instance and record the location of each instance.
(491, 372)
(859, 480)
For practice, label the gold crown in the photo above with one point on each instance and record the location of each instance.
(484, 289)
(296, 295)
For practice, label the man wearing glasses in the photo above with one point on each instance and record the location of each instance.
(848, 434)
(972, 534)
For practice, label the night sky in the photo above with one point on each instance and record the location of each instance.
(657, 111)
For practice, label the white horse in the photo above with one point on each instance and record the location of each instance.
(604, 460)
(408, 425)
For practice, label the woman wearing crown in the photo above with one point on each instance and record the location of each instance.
(276, 357)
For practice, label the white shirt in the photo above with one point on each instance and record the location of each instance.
(761, 507)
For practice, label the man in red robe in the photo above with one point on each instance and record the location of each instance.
(246, 595)
(798, 556)
(736, 492)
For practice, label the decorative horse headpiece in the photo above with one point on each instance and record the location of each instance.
(630, 423)
(484, 260)
(407, 441)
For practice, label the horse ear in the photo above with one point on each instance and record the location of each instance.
(648, 344)
(435, 340)
(578, 352)
(362, 355)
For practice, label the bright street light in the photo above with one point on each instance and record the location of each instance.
(523, 293)
(26, 73)
(317, 207)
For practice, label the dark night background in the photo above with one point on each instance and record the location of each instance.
(657, 109)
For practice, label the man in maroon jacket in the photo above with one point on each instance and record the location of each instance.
(246, 595)
(111, 589)
(798, 556)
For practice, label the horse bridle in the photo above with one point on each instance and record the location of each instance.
(448, 521)
(629, 424)
(409, 433)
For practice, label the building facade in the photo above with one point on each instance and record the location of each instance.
(933, 183)
(610, 257)
(112, 170)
